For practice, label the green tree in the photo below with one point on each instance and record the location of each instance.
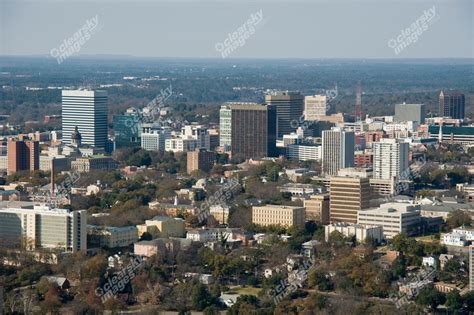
(454, 300)
(201, 298)
(430, 298)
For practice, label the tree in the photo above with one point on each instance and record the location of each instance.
(51, 299)
(458, 218)
(453, 300)
(321, 279)
(430, 298)
(201, 297)
(468, 300)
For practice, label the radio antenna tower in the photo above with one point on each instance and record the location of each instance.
(358, 103)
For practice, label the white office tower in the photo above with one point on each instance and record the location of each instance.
(225, 127)
(315, 107)
(337, 150)
(154, 139)
(44, 227)
(390, 158)
(87, 110)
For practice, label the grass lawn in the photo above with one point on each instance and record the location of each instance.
(246, 290)
(426, 239)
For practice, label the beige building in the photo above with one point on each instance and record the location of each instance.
(112, 237)
(314, 107)
(348, 195)
(382, 187)
(87, 164)
(361, 232)
(278, 215)
(163, 227)
(395, 218)
(43, 227)
(317, 208)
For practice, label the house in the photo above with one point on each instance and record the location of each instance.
(443, 259)
(60, 281)
(454, 239)
(309, 248)
(429, 262)
(228, 299)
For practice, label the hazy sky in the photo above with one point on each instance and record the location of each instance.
(291, 28)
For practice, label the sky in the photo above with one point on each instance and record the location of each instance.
(288, 28)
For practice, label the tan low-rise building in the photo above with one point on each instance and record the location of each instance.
(163, 227)
(278, 215)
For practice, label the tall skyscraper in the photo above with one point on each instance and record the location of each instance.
(451, 104)
(289, 107)
(315, 107)
(253, 131)
(410, 112)
(390, 158)
(23, 155)
(338, 150)
(87, 110)
(471, 267)
(225, 126)
(347, 196)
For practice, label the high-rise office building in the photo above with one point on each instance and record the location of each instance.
(289, 109)
(337, 150)
(127, 128)
(200, 159)
(87, 110)
(225, 127)
(410, 112)
(471, 267)
(43, 227)
(347, 196)
(253, 131)
(390, 158)
(451, 104)
(315, 107)
(23, 155)
(154, 139)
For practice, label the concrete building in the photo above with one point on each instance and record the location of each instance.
(160, 246)
(43, 227)
(278, 215)
(390, 158)
(337, 150)
(154, 139)
(220, 213)
(317, 208)
(23, 155)
(471, 268)
(253, 131)
(304, 152)
(163, 227)
(297, 189)
(92, 163)
(111, 237)
(395, 218)
(451, 104)
(191, 137)
(315, 106)
(200, 159)
(225, 126)
(454, 239)
(289, 107)
(452, 134)
(348, 195)
(361, 232)
(205, 235)
(410, 112)
(87, 110)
